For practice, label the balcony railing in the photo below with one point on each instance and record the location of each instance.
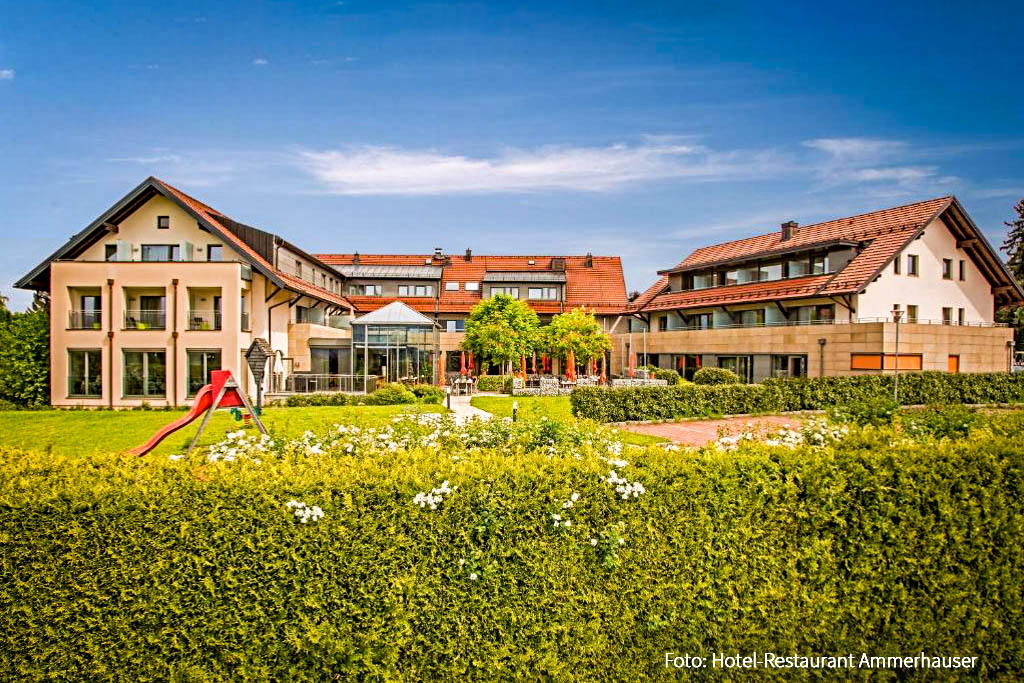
(145, 320)
(312, 383)
(245, 323)
(85, 320)
(204, 320)
(853, 321)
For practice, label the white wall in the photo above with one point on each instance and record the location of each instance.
(928, 291)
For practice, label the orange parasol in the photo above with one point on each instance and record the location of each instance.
(570, 371)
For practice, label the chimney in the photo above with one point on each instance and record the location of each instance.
(788, 230)
(355, 259)
(438, 253)
(589, 260)
(469, 254)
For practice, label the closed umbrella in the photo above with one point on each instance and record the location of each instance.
(604, 375)
(570, 371)
(440, 368)
(522, 366)
(471, 361)
(462, 364)
(632, 363)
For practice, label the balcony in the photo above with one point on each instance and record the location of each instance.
(145, 320)
(204, 320)
(312, 383)
(85, 320)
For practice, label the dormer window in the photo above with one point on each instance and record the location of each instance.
(163, 222)
(451, 286)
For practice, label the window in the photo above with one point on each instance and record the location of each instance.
(947, 316)
(507, 291)
(873, 361)
(364, 290)
(215, 252)
(298, 269)
(798, 267)
(455, 326)
(819, 264)
(110, 252)
(244, 313)
(451, 286)
(90, 315)
(896, 308)
(770, 271)
(160, 252)
(663, 323)
(546, 293)
(703, 280)
(163, 222)
(961, 316)
(145, 373)
(85, 373)
(741, 365)
(911, 264)
(753, 318)
(896, 265)
(947, 269)
(963, 270)
(200, 365)
(472, 286)
(415, 290)
(701, 321)
(911, 313)
(825, 312)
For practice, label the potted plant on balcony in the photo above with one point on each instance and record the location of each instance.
(204, 325)
(96, 325)
(141, 325)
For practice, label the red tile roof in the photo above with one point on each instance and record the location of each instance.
(601, 287)
(882, 233)
(215, 217)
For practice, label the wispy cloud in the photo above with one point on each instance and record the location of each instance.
(6, 74)
(885, 167)
(260, 61)
(377, 170)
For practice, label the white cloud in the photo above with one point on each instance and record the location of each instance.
(377, 170)
(6, 74)
(876, 164)
(260, 61)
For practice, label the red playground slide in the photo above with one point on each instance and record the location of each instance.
(202, 403)
(222, 391)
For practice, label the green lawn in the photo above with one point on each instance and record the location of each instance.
(552, 407)
(83, 432)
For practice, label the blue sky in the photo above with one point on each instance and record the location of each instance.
(638, 129)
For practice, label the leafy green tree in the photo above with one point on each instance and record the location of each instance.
(25, 355)
(577, 331)
(502, 328)
(1013, 246)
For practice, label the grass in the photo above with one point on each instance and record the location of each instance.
(552, 407)
(85, 432)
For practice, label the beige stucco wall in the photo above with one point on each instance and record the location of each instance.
(928, 291)
(112, 339)
(140, 228)
(981, 349)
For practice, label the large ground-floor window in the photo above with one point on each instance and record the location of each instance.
(85, 373)
(741, 365)
(200, 365)
(145, 373)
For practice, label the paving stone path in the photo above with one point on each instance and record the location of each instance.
(463, 411)
(700, 432)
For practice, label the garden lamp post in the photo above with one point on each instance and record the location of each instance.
(896, 315)
(515, 410)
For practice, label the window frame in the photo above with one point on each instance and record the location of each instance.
(145, 373)
(947, 269)
(87, 374)
(163, 222)
(206, 370)
(506, 291)
(963, 271)
(173, 252)
(913, 265)
(911, 313)
(544, 293)
(451, 286)
(209, 250)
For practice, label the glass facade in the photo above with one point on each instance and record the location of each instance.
(394, 352)
(145, 373)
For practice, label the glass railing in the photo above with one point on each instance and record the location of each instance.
(314, 383)
(85, 320)
(145, 320)
(204, 320)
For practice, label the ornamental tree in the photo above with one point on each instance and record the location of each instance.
(503, 328)
(577, 331)
(1014, 248)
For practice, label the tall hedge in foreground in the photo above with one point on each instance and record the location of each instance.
(144, 569)
(817, 393)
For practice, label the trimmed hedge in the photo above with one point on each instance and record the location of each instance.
(779, 395)
(385, 395)
(715, 376)
(144, 569)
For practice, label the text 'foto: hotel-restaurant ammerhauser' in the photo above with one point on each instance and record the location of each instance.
(162, 289)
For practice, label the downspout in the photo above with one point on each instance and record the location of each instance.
(174, 338)
(110, 343)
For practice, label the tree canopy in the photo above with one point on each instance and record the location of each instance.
(1013, 246)
(579, 332)
(503, 328)
(25, 355)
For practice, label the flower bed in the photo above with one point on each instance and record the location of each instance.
(421, 550)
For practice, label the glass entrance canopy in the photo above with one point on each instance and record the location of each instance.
(396, 344)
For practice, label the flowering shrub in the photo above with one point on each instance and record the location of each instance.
(152, 569)
(433, 499)
(940, 421)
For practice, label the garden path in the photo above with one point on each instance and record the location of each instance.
(463, 411)
(700, 432)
